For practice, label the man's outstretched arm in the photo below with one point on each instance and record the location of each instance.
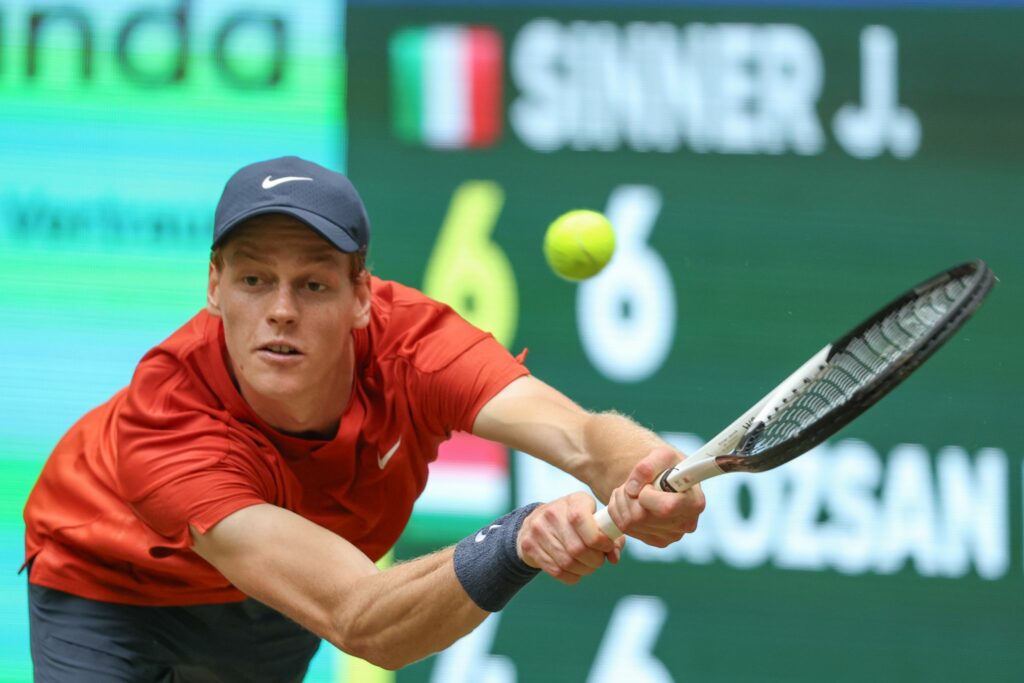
(393, 617)
(613, 455)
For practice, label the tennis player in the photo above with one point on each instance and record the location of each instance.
(218, 517)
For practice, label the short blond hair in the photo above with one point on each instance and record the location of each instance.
(357, 262)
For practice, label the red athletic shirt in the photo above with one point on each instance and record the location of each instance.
(109, 517)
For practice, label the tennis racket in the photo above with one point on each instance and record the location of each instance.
(837, 384)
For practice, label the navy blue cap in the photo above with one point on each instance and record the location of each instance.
(321, 198)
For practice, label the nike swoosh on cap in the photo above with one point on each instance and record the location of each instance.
(382, 460)
(268, 183)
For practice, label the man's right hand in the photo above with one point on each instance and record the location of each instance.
(562, 539)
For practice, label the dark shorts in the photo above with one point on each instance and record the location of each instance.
(86, 641)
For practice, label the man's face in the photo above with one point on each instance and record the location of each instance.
(289, 306)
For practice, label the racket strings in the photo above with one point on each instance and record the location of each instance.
(870, 355)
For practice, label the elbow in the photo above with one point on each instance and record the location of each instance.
(370, 645)
(378, 656)
(390, 663)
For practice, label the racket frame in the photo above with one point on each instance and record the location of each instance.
(723, 453)
(703, 463)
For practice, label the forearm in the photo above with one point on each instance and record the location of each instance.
(323, 582)
(610, 453)
(599, 449)
(406, 613)
(612, 445)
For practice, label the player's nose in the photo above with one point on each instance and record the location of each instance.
(283, 307)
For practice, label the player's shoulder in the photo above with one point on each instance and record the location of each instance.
(181, 370)
(390, 296)
(409, 325)
(399, 308)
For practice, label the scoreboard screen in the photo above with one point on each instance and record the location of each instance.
(774, 173)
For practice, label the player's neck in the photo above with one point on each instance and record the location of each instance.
(315, 413)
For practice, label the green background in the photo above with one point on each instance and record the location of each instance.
(771, 256)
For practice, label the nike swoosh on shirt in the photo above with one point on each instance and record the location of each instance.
(268, 183)
(382, 460)
(482, 534)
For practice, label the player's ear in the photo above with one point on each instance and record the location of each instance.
(213, 291)
(362, 300)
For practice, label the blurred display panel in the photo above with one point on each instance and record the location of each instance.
(120, 122)
(775, 172)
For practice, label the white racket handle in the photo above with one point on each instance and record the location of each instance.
(698, 466)
(691, 471)
(605, 523)
(701, 465)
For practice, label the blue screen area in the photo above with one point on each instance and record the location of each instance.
(120, 121)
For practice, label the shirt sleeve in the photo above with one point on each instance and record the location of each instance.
(450, 397)
(181, 464)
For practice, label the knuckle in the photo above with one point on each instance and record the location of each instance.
(668, 508)
(575, 548)
(625, 520)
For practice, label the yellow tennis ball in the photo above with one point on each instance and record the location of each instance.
(578, 244)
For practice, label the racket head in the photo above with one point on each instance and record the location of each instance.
(860, 368)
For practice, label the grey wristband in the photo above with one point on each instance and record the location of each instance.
(487, 564)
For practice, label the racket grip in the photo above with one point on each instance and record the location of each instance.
(604, 521)
(694, 469)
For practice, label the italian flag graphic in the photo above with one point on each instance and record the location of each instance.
(446, 85)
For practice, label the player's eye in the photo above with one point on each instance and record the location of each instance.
(316, 286)
(250, 280)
